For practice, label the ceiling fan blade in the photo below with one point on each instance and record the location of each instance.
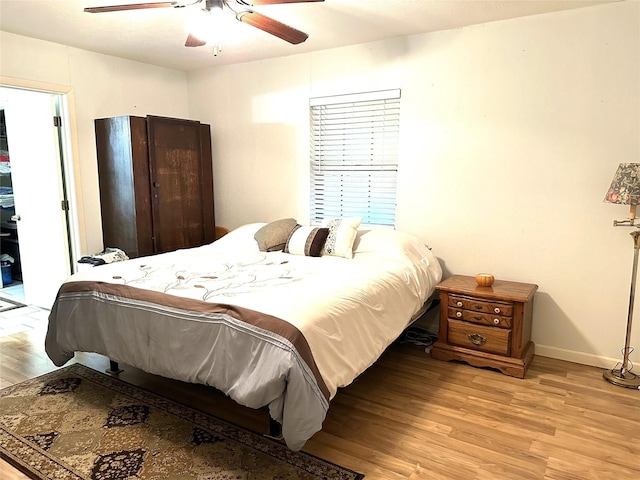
(273, 2)
(193, 41)
(131, 6)
(272, 26)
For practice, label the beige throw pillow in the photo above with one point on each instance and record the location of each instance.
(273, 236)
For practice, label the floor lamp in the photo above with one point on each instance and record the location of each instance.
(625, 190)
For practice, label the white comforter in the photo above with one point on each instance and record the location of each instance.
(361, 304)
(349, 310)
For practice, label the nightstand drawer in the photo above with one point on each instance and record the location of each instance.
(475, 305)
(481, 318)
(478, 337)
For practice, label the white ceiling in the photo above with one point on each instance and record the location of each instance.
(157, 36)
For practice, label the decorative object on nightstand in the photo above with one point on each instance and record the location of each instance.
(625, 190)
(486, 326)
(485, 279)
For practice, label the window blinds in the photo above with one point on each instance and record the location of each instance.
(354, 156)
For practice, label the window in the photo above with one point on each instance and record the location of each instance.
(354, 156)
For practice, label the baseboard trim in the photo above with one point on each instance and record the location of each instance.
(577, 357)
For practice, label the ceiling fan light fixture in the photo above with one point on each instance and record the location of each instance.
(206, 27)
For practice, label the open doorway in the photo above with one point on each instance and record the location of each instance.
(34, 211)
(11, 281)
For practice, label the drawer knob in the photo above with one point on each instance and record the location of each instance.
(477, 339)
(496, 321)
(458, 314)
(458, 303)
(497, 310)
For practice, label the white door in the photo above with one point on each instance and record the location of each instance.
(38, 193)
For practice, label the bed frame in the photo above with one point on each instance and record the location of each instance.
(275, 429)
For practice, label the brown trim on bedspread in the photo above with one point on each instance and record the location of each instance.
(263, 321)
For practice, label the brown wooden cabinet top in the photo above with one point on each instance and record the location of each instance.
(500, 290)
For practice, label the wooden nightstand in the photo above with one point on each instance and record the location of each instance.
(486, 326)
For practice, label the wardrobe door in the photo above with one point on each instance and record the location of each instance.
(125, 196)
(181, 184)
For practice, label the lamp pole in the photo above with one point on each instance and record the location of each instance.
(622, 376)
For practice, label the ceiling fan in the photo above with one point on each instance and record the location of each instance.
(255, 19)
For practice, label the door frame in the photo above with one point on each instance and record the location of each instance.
(70, 163)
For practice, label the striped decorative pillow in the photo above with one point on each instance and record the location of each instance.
(306, 241)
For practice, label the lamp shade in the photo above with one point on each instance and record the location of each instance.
(625, 186)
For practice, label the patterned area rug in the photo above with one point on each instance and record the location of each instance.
(76, 423)
(6, 304)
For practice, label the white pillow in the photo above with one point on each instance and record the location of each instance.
(240, 239)
(342, 233)
(385, 241)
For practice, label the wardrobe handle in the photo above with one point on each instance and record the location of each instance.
(156, 184)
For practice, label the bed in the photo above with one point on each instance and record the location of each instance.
(282, 328)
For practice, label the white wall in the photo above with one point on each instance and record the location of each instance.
(511, 133)
(101, 86)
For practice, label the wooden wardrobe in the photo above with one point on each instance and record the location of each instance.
(156, 183)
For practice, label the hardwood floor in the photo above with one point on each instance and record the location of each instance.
(412, 417)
